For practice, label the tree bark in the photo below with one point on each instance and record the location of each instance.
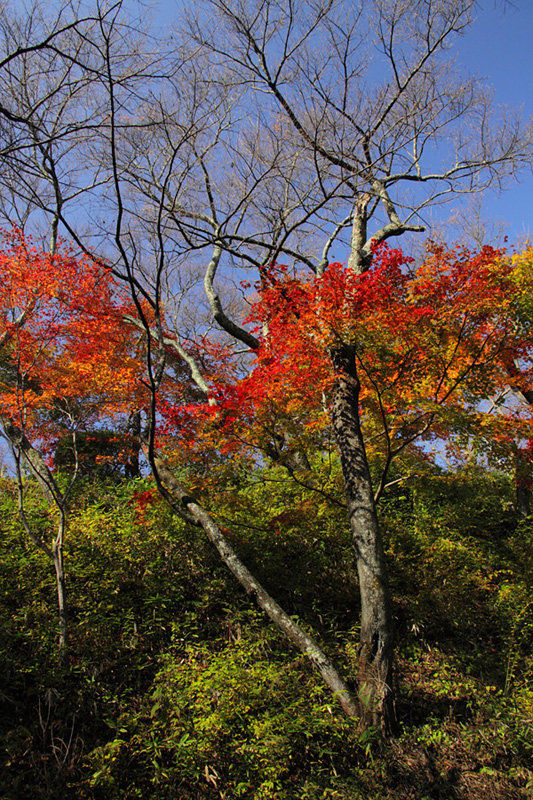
(281, 620)
(57, 557)
(18, 439)
(523, 500)
(132, 468)
(375, 654)
(523, 471)
(23, 449)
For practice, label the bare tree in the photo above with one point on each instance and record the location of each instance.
(24, 453)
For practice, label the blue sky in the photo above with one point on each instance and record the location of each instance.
(499, 49)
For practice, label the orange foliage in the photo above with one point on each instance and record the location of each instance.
(431, 343)
(64, 344)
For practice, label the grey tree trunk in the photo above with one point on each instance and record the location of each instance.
(523, 470)
(375, 654)
(57, 557)
(132, 468)
(23, 449)
(277, 615)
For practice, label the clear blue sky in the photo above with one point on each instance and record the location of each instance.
(499, 49)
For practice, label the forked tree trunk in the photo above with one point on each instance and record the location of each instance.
(375, 654)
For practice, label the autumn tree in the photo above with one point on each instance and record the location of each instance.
(357, 155)
(430, 344)
(67, 362)
(261, 133)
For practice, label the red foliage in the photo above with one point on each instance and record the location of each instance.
(430, 343)
(143, 500)
(64, 343)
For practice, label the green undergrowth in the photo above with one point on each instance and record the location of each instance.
(177, 687)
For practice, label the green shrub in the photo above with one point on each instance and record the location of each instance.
(243, 716)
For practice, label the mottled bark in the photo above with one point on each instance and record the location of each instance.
(359, 260)
(283, 622)
(375, 653)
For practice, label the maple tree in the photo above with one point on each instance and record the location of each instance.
(67, 362)
(72, 356)
(321, 164)
(394, 358)
(430, 342)
(388, 359)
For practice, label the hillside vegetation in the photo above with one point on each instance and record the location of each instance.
(178, 687)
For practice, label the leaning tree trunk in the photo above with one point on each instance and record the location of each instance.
(375, 654)
(305, 643)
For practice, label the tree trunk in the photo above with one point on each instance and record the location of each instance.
(375, 653)
(57, 557)
(31, 456)
(283, 622)
(22, 448)
(523, 482)
(132, 468)
(523, 499)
